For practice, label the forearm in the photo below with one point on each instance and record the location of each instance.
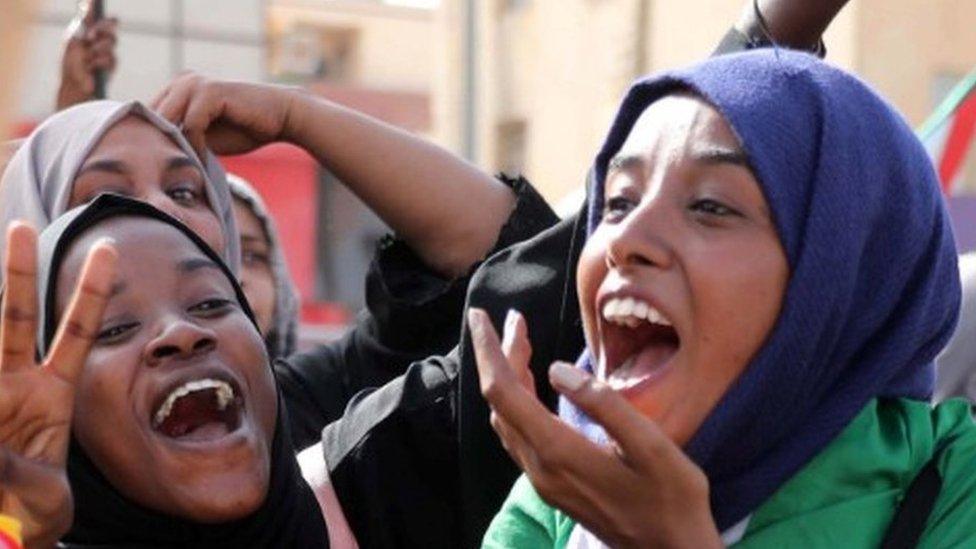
(446, 209)
(794, 23)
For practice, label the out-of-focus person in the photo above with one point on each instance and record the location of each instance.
(264, 274)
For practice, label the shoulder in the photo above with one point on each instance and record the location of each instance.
(953, 519)
(525, 520)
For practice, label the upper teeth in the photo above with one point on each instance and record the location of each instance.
(630, 312)
(225, 393)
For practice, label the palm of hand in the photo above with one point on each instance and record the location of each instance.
(37, 400)
(35, 421)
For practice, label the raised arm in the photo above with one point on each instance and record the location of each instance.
(446, 209)
(798, 24)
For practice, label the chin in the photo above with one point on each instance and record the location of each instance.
(223, 498)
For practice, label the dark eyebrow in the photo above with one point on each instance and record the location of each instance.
(111, 166)
(178, 162)
(196, 263)
(720, 155)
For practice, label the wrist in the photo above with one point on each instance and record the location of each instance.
(69, 96)
(299, 104)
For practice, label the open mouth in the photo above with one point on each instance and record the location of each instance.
(638, 342)
(199, 410)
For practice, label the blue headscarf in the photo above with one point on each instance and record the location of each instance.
(874, 291)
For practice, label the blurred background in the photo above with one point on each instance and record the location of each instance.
(520, 86)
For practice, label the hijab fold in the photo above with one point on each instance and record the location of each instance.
(37, 182)
(290, 515)
(874, 290)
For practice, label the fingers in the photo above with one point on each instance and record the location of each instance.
(202, 110)
(82, 318)
(517, 348)
(186, 103)
(502, 387)
(173, 101)
(18, 319)
(638, 437)
(37, 484)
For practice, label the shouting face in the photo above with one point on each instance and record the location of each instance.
(683, 279)
(177, 404)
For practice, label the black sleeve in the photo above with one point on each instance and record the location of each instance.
(411, 313)
(393, 459)
(736, 41)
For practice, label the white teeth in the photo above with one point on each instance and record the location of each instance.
(640, 310)
(631, 312)
(225, 393)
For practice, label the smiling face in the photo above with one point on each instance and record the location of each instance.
(683, 280)
(177, 403)
(136, 159)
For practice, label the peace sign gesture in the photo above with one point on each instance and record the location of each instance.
(37, 400)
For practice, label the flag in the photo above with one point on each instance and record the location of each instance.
(949, 135)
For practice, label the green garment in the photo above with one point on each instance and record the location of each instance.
(845, 497)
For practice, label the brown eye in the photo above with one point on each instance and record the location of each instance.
(114, 334)
(255, 258)
(212, 306)
(184, 195)
(708, 206)
(617, 207)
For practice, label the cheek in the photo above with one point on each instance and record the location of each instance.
(206, 225)
(104, 392)
(737, 302)
(590, 272)
(248, 356)
(259, 289)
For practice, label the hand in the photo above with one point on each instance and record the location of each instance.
(227, 117)
(642, 491)
(90, 46)
(37, 400)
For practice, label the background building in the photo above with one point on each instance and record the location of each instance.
(548, 74)
(514, 85)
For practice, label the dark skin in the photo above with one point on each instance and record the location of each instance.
(90, 47)
(137, 160)
(38, 398)
(171, 318)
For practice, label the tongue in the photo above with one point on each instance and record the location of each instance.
(643, 365)
(195, 417)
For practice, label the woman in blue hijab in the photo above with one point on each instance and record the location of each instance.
(768, 274)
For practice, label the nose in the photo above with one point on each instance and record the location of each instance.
(641, 238)
(180, 339)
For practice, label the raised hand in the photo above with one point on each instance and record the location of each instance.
(640, 491)
(226, 117)
(89, 46)
(37, 399)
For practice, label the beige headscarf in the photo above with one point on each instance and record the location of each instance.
(37, 183)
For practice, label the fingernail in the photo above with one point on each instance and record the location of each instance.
(567, 378)
(104, 241)
(475, 319)
(511, 318)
